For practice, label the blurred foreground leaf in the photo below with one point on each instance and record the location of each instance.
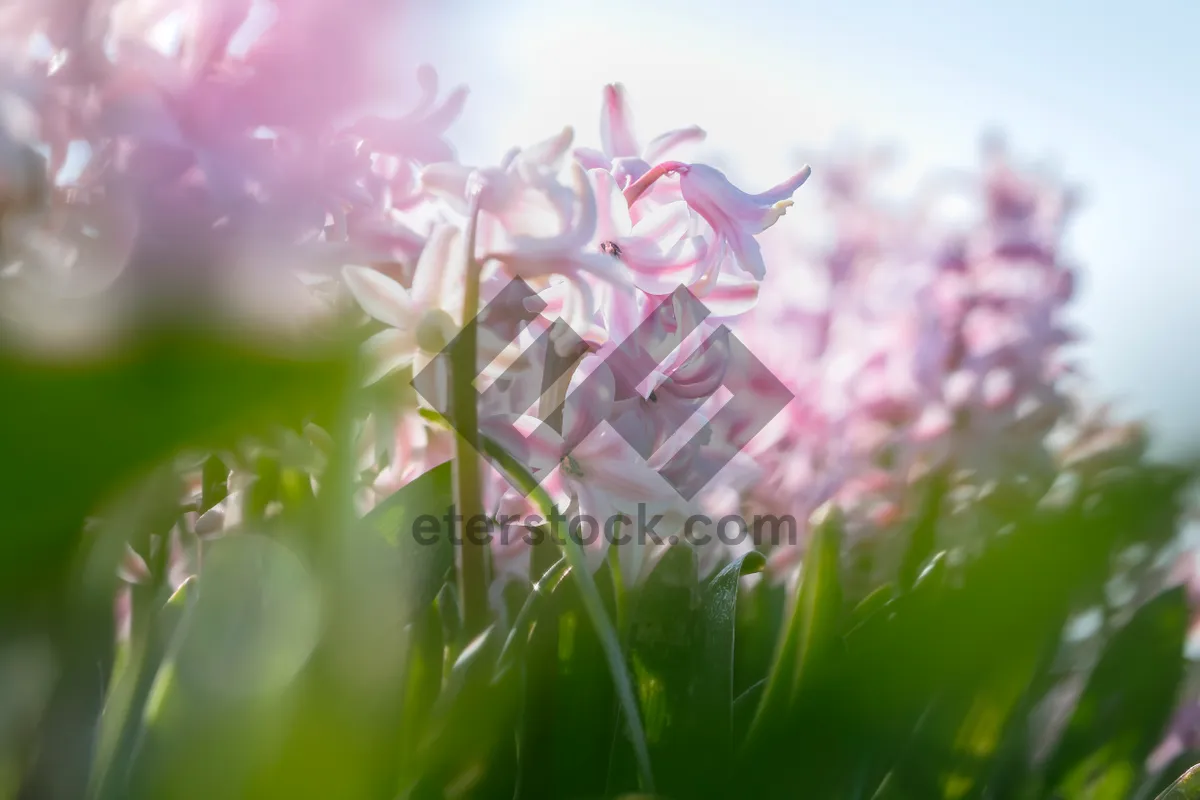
(1127, 702)
(74, 429)
(1186, 788)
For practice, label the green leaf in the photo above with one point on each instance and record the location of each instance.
(744, 706)
(518, 636)
(1186, 788)
(715, 659)
(111, 417)
(418, 556)
(422, 684)
(571, 707)
(811, 630)
(469, 730)
(137, 694)
(593, 605)
(663, 643)
(1127, 701)
(711, 678)
(874, 602)
(611, 644)
(923, 534)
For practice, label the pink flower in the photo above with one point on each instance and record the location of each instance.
(736, 217)
(620, 154)
(419, 134)
(417, 447)
(523, 196)
(566, 253)
(657, 251)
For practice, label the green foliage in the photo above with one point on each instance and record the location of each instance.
(316, 655)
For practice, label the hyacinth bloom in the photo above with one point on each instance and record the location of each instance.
(523, 194)
(178, 160)
(932, 345)
(620, 152)
(421, 319)
(656, 251)
(737, 217)
(565, 253)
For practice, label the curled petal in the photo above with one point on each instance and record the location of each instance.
(660, 273)
(662, 144)
(447, 181)
(701, 374)
(729, 296)
(442, 117)
(587, 513)
(735, 215)
(540, 448)
(627, 170)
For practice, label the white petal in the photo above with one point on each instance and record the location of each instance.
(612, 211)
(388, 351)
(380, 296)
(440, 272)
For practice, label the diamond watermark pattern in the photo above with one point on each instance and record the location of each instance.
(756, 396)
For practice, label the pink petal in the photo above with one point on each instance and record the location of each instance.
(549, 152)
(665, 142)
(594, 505)
(540, 446)
(612, 212)
(588, 405)
(616, 124)
(730, 296)
(591, 158)
(659, 273)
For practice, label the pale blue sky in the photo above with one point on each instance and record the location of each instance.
(1112, 96)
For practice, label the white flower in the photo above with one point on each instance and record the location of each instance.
(422, 319)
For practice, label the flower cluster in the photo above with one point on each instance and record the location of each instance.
(924, 341)
(188, 151)
(623, 251)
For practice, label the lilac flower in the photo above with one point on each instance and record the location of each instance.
(620, 153)
(913, 341)
(736, 217)
(565, 253)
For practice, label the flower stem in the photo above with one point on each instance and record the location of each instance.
(638, 187)
(468, 500)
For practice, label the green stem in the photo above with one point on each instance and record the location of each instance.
(468, 500)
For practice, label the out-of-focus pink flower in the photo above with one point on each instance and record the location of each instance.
(420, 134)
(418, 447)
